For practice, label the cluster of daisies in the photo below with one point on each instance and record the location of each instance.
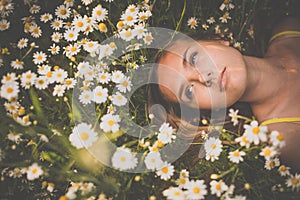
(6, 9)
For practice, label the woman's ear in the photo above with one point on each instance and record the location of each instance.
(224, 42)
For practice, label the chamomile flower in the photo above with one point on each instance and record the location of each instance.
(236, 156)
(57, 24)
(79, 23)
(17, 64)
(284, 170)
(218, 187)
(153, 160)
(4, 25)
(41, 82)
(100, 94)
(44, 69)
(192, 22)
(294, 182)
(165, 134)
(129, 18)
(132, 9)
(211, 20)
(144, 15)
(59, 90)
(69, 3)
(39, 57)
(165, 171)
(28, 79)
(174, 193)
(70, 83)
(71, 35)
(9, 77)
(83, 136)
(148, 38)
(34, 9)
(34, 171)
(225, 17)
(12, 106)
(90, 46)
(35, 31)
(195, 189)
(268, 152)
(102, 27)
(118, 99)
(83, 68)
(22, 43)
(86, 97)
(110, 122)
(139, 30)
(244, 142)
(117, 76)
(86, 2)
(46, 17)
(86, 187)
(277, 139)
(213, 148)
(272, 163)
(255, 133)
(56, 36)
(72, 49)
(124, 85)
(124, 159)
(127, 34)
(59, 75)
(99, 13)
(233, 114)
(103, 77)
(15, 137)
(54, 49)
(226, 4)
(62, 12)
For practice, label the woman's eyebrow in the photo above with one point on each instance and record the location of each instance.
(185, 55)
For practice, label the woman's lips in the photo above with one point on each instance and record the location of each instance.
(223, 79)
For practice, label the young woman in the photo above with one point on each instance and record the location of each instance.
(209, 74)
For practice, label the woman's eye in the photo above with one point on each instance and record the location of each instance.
(193, 58)
(189, 92)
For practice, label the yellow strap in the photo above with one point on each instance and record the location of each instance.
(279, 120)
(284, 33)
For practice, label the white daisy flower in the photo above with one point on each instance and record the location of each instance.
(104, 51)
(174, 193)
(124, 159)
(284, 170)
(83, 68)
(192, 22)
(211, 20)
(69, 3)
(70, 83)
(71, 35)
(59, 90)
(39, 57)
(233, 114)
(213, 148)
(165, 171)
(34, 9)
(225, 17)
(110, 122)
(28, 79)
(244, 142)
(22, 43)
(91, 46)
(218, 187)
(56, 36)
(79, 23)
(57, 24)
(132, 9)
(17, 64)
(268, 152)
(54, 49)
(165, 134)
(35, 31)
(59, 75)
(62, 12)
(24, 121)
(83, 136)
(294, 182)
(182, 182)
(72, 49)
(4, 25)
(277, 139)
(34, 171)
(86, 2)
(117, 76)
(86, 97)
(100, 94)
(118, 99)
(153, 160)
(15, 137)
(44, 69)
(41, 82)
(99, 13)
(86, 187)
(9, 77)
(103, 77)
(255, 133)
(226, 4)
(127, 34)
(124, 85)
(272, 163)
(144, 15)
(46, 17)
(12, 107)
(148, 38)
(129, 18)
(236, 156)
(195, 189)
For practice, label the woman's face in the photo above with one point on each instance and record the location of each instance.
(203, 74)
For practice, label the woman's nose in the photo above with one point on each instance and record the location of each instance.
(206, 78)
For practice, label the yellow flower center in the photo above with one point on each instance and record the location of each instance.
(255, 130)
(129, 18)
(80, 24)
(213, 146)
(268, 152)
(123, 159)
(99, 94)
(164, 170)
(84, 136)
(34, 171)
(295, 181)
(111, 122)
(280, 137)
(63, 12)
(196, 190)
(218, 187)
(236, 154)
(98, 12)
(9, 90)
(128, 34)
